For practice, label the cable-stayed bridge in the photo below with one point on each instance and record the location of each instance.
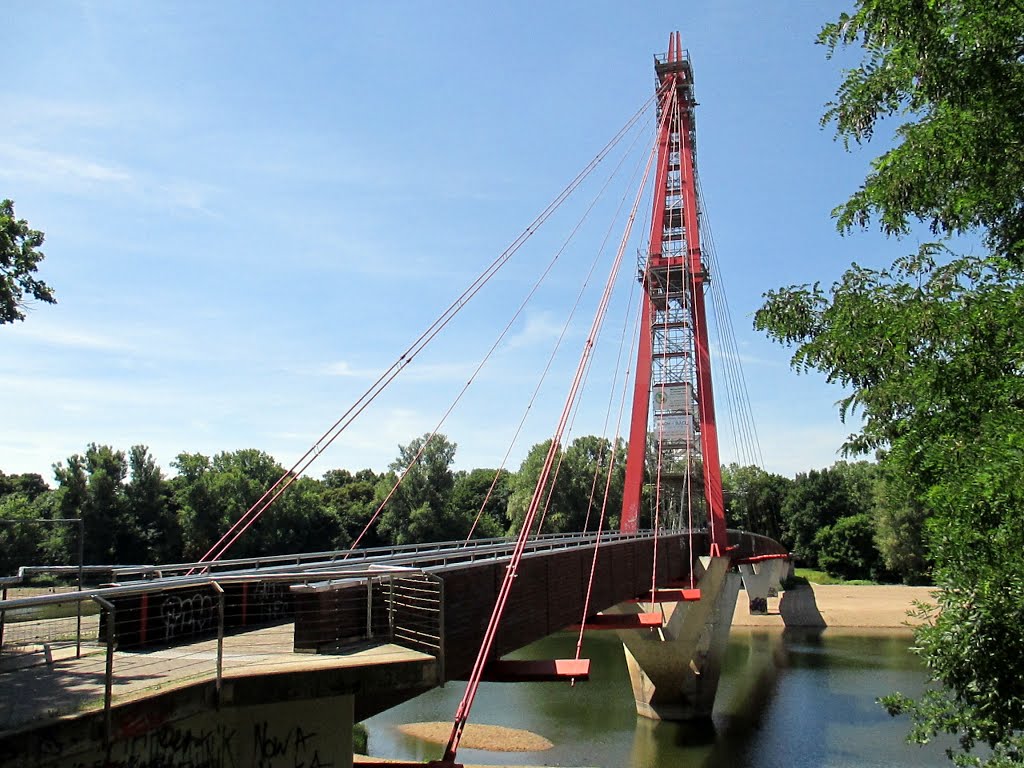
(169, 662)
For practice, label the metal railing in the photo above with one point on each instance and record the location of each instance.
(171, 632)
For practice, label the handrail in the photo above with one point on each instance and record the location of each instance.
(414, 623)
(315, 559)
(191, 582)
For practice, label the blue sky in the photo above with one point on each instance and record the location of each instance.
(252, 208)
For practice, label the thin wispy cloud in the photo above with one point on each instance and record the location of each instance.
(62, 336)
(20, 164)
(346, 370)
(539, 329)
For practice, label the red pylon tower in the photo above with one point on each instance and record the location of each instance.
(673, 349)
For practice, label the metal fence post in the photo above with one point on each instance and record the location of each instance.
(109, 677)
(440, 630)
(391, 608)
(220, 640)
(3, 616)
(81, 572)
(369, 606)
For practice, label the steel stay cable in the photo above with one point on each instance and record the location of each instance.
(623, 398)
(728, 356)
(562, 334)
(730, 351)
(698, 328)
(630, 308)
(332, 433)
(561, 454)
(604, 430)
(501, 336)
(602, 517)
(746, 418)
(586, 376)
(473, 685)
(416, 347)
(665, 342)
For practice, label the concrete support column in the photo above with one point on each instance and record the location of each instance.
(675, 670)
(761, 581)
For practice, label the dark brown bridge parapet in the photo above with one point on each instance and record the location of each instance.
(744, 545)
(548, 595)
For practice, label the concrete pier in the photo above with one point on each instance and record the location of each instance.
(761, 581)
(674, 670)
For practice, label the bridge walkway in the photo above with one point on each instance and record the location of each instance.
(76, 686)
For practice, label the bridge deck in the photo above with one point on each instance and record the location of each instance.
(69, 685)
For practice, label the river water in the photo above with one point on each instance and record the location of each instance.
(792, 700)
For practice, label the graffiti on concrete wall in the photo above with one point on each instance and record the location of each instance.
(216, 746)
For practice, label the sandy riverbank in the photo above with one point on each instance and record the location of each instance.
(883, 606)
(492, 738)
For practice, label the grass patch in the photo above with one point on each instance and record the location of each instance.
(66, 610)
(809, 575)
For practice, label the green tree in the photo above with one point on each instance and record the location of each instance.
(24, 500)
(419, 510)
(816, 499)
(586, 463)
(154, 523)
(573, 495)
(847, 548)
(954, 72)
(932, 348)
(472, 490)
(524, 482)
(29, 483)
(92, 488)
(900, 522)
(19, 261)
(199, 514)
(213, 494)
(754, 499)
(352, 498)
(19, 535)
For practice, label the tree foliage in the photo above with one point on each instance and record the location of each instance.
(954, 73)
(931, 349)
(19, 261)
(573, 497)
(485, 494)
(92, 490)
(419, 507)
(900, 528)
(754, 499)
(847, 548)
(352, 498)
(818, 499)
